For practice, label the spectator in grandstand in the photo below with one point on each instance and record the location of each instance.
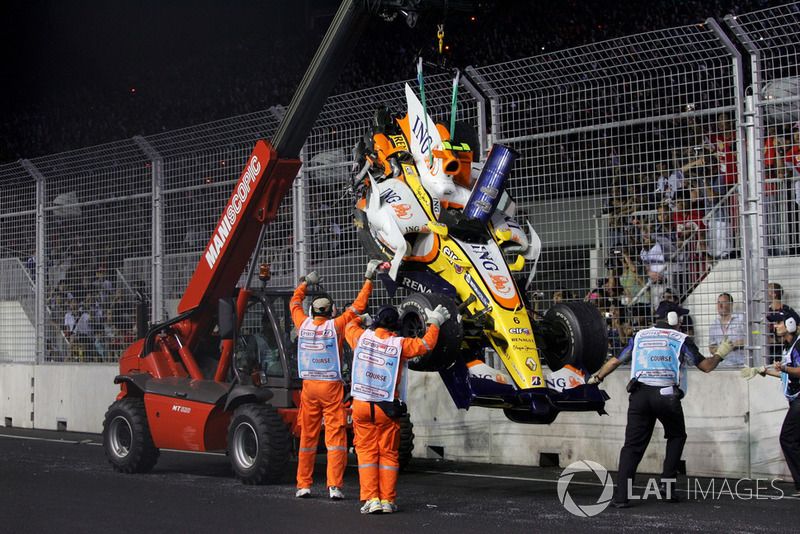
(774, 195)
(777, 311)
(103, 286)
(728, 326)
(658, 249)
(790, 165)
(662, 185)
(635, 296)
(78, 331)
(619, 207)
(725, 147)
(689, 239)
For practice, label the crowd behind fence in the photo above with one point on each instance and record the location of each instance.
(651, 167)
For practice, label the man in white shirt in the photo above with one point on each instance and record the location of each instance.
(730, 326)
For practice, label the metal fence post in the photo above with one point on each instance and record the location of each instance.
(300, 194)
(761, 265)
(480, 104)
(41, 260)
(749, 205)
(157, 310)
(480, 80)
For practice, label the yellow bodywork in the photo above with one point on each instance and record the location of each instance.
(512, 335)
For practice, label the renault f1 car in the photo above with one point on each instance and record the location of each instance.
(446, 226)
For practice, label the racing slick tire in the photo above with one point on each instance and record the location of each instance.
(574, 334)
(406, 441)
(127, 441)
(413, 324)
(258, 444)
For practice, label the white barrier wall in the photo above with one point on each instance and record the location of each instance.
(732, 428)
(42, 396)
(732, 425)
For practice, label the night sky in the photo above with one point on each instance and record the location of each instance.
(85, 72)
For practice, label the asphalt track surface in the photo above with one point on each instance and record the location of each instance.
(61, 482)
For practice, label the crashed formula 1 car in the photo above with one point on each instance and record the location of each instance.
(445, 225)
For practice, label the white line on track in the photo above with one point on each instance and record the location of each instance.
(99, 444)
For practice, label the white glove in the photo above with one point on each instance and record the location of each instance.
(366, 320)
(724, 348)
(438, 315)
(749, 372)
(594, 379)
(313, 278)
(372, 269)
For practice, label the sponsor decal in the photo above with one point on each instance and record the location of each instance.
(451, 255)
(475, 289)
(327, 332)
(416, 286)
(389, 196)
(181, 409)
(500, 283)
(371, 344)
(402, 211)
(525, 331)
(564, 378)
(422, 136)
(530, 363)
(398, 141)
(231, 214)
(411, 171)
(652, 343)
(368, 390)
(486, 259)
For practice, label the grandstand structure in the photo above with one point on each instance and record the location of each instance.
(659, 165)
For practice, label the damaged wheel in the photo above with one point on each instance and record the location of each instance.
(413, 321)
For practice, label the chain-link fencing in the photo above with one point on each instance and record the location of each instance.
(653, 167)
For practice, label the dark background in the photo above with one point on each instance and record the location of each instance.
(84, 72)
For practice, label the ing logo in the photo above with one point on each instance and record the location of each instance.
(500, 282)
(402, 211)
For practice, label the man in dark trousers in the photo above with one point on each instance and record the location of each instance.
(658, 358)
(788, 370)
